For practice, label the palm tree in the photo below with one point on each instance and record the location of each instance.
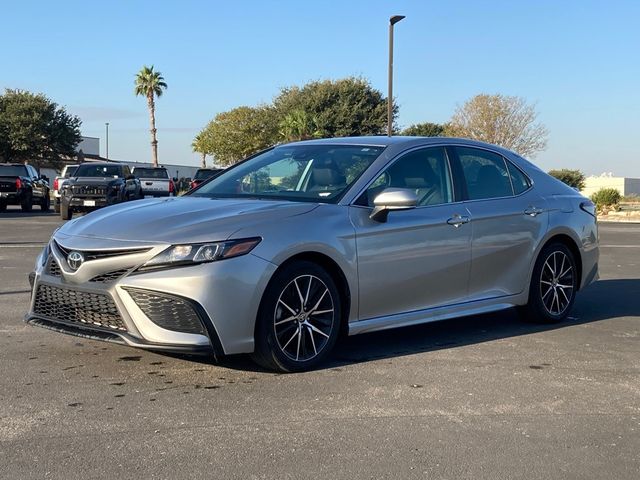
(299, 125)
(150, 84)
(198, 146)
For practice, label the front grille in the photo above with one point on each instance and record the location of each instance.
(73, 306)
(53, 269)
(167, 311)
(110, 276)
(98, 254)
(89, 190)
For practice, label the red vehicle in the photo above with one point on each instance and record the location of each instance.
(203, 174)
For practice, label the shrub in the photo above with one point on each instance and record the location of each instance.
(573, 178)
(606, 198)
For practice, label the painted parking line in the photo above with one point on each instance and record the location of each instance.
(22, 245)
(619, 246)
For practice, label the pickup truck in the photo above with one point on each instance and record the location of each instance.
(155, 182)
(22, 185)
(96, 185)
(203, 174)
(58, 182)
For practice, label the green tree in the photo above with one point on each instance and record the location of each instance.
(573, 178)
(501, 120)
(299, 125)
(238, 133)
(35, 129)
(150, 84)
(426, 129)
(340, 108)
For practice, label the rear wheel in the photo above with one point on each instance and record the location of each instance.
(45, 203)
(554, 282)
(26, 205)
(299, 319)
(65, 212)
(3, 206)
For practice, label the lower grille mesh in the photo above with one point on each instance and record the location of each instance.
(110, 276)
(91, 309)
(167, 311)
(54, 268)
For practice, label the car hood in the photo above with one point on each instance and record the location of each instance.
(179, 220)
(93, 180)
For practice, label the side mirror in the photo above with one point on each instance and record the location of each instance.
(392, 199)
(45, 178)
(175, 179)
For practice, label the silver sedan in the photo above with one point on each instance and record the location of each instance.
(288, 249)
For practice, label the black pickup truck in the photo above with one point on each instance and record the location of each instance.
(96, 185)
(22, 185)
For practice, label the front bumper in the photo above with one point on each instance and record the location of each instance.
(203, 309)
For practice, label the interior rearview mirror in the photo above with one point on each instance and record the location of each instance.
(392, 199)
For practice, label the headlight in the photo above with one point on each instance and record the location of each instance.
(195, 253)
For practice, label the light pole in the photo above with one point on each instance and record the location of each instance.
(107, 127)
(392, 21)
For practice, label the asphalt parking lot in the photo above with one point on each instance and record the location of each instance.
(485, 397)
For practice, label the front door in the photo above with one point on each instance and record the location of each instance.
(418, 258)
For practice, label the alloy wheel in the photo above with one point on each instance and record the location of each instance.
(304, 318)
(557, 283)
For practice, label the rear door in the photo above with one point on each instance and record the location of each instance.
(418, 258)
(509, 219)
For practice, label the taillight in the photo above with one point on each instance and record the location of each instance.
(18, 184)
(192, 185)
(172, 187)
(55, 184)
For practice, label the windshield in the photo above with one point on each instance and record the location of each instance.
(203, 174)
(151, 173)
(13, 171)
(311, 173)
(70, 171)
(89, 170)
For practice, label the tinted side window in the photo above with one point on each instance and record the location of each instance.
(424, 171)
(485, 173)
(519, 180)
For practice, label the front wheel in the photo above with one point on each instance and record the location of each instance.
(299, 319)
(65, 212)
(553, 285)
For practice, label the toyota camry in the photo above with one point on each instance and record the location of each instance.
(285, 251)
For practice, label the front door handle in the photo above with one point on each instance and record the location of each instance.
(458, 220)
(533, 211)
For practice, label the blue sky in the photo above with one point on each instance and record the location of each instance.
(578, 61)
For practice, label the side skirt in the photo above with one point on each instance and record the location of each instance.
(435, 314)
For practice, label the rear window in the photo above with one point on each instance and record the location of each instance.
(13, 171)
(203, 174)
(151, 173)
(89, 170)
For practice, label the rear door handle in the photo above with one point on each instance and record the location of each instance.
(533, 211)
(458, 220)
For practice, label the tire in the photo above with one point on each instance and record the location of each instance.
(45, 204)
(289, 336)
(554, 284)
(65, 212)
(3, 206)
(26, 205)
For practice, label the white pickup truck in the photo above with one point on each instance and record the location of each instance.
(155, 182)
(58, 182)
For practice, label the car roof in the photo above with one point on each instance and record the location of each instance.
(102, 164)
(396, 140)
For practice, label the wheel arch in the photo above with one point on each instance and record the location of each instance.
(572, 245)
(334, 270)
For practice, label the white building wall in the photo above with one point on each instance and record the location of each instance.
(593, 184)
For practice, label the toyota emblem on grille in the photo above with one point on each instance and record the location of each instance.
(75, 259)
